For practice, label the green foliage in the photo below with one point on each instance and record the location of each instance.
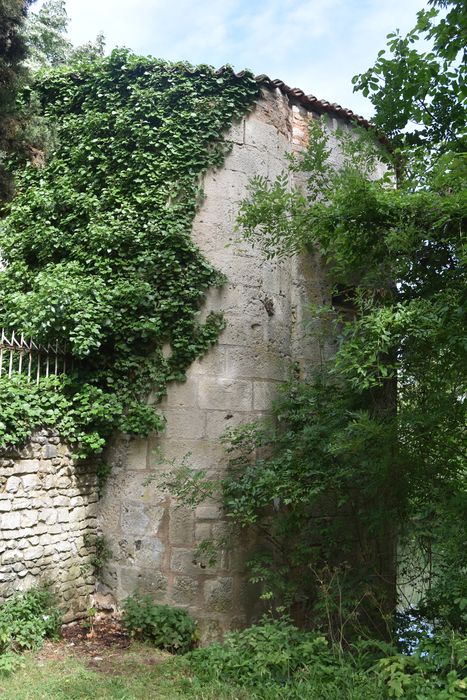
(396, 257)
(46, 36)
(165, 627)
(270, 653)
(25, 621)
(435, 669)
(275, 659)
(97, 242)
(82, 414)
(421, 83)
(13, 51)
(270, 661)
(101, 552)
(321, 467)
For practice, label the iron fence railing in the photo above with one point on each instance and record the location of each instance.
(21, 356)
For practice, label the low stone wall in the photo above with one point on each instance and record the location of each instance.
(47, 522)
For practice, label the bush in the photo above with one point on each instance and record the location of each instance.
(165, 627)
(435, 670)
(275, 659)
(26, 620)
(272, 651)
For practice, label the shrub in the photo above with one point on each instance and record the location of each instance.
(26, 620)
(272, 651)
(435, 670)
(165, 627)
(275, 659)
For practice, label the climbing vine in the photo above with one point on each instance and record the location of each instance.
(97, 242)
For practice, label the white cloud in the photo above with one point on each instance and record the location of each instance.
(317, 45)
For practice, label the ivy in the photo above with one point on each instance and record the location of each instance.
(97, 242)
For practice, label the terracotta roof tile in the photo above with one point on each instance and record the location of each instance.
(312, 102)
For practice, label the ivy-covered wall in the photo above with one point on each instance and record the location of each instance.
(97, 245)
(122, 244)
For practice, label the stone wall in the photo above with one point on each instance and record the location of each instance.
(47, 522)
(266, 306)
(48, 504)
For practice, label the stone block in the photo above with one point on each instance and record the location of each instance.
(261, 364)
(27, 466)
(146, 582)
(217, 422)
(248, 160)
(208, 234)
(29, 518)
(243, 271)
(236, 132)
(181, 526)
(140, 519)
(203, 453)
(244, 332)
(137, 454)
(77, 501)
(61, 501)
(10, 521)
(63, 547)
(266, 139)
(225, 187)
(49, 451)
(185, 423)
(225, 394)
(148, 553)
(212, 363)
(49, 516)
(19, 503)
(11, 556)
(203, 531)
(13, 484)
(63, 515)
(33, 553)
(264, 393)
(236, 302)
(49, 482)
(185, 590)
(181, 394)
(184, 562)
(210, 629)
(78, 514)
(30, 482)
(218, 594)
(208, 512)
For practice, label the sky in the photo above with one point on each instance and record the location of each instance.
(316, 45)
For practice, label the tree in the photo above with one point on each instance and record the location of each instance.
(13, 52)
(419, 94)
(45, 33)
(396, 258)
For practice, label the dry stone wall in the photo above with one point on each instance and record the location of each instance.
(48, 509)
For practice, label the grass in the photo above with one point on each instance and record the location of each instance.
(143, 673)
(137, 673)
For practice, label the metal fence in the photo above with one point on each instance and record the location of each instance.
(21, 356)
